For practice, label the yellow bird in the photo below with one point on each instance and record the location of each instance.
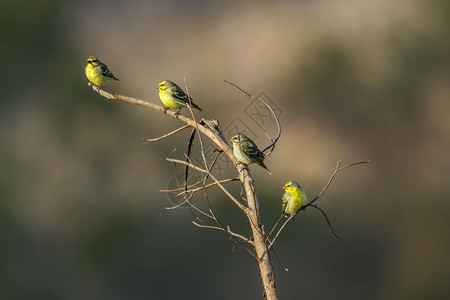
(174, 97)
(246, 151)
(97, 72)
(294, 198)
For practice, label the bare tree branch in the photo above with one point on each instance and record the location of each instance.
(211, 129)
(161, 109)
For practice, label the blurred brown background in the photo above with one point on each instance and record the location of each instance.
(81, 215)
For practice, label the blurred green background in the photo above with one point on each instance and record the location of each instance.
(81, 215)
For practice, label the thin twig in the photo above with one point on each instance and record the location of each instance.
(232, 236)
(275, 226)
(192, 191)
(199, 188)
(186, 169)
(274, 141)
(291, 217)
(187, 200)
(279, 260)
(328, 221)
(191, 205)
(196, 124)
(207, 186)
(164, 136)
(229, 231)
(203, 179)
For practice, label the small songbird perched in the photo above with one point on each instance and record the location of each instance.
(174, 97)
(294, 198)
(97, 72)
(246, 151)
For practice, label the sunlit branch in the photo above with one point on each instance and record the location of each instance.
(211, 129)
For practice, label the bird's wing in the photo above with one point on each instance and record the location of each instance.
(177, 92)
(249, 148)
(106, 72)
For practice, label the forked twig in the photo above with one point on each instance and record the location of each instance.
(291, 217)
(275, 226)
(336, 170)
